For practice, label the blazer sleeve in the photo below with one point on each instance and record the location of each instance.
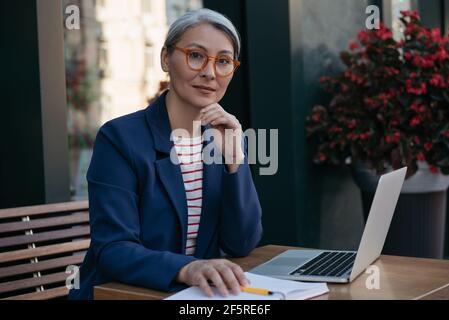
(241, 216)
(115, 223)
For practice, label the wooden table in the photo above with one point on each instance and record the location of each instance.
(400, 278)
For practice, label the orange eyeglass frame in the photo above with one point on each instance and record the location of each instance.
(187, 51)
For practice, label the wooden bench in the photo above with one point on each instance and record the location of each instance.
(37, 243)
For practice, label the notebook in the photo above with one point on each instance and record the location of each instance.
(283, 290)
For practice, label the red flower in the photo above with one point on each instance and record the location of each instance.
(423, 62)
(420, 156)
(415, 121)
(441, 54)
(428, 146)
(371, 102)
(407, 56)
(396, 137)
(321, 157)
(336, 130)
(434, 169)
(364, 37)
(353, 45)
(325, 79)
(316, 117)
(391, 71)
(354, 77)
(364, 135)
(437, 81)
(383, 33)
(410, 13)
(352, 124)
(409, 29)
(418, 108)
(422, 89)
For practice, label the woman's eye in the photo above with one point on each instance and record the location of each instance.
(224, 61)
(196, 55)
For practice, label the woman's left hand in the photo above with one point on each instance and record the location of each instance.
(221, 120)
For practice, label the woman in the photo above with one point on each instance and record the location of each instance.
(159, 223)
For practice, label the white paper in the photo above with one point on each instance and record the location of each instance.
(291, 290)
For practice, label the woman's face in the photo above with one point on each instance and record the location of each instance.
(185, 81)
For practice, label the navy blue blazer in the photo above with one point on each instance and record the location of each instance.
(138, 207)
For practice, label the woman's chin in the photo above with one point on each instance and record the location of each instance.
(202, 102)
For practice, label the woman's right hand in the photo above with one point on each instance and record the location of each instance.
(222, 273)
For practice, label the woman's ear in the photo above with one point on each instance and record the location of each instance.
(164, 59)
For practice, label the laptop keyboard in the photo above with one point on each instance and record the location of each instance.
(328, 264)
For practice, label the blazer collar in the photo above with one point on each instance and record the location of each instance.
(159, 123)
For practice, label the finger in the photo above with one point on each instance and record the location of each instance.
(211, 117)
(212, 113)
(239, 274)
(229, 278)
(213, 275)
(204, 286)
(222, 121)
(210, 107)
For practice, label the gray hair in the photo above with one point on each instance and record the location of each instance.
(196, 17)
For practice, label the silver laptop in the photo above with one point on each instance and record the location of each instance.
(343, 266)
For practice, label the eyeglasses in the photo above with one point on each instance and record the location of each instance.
(197, 60)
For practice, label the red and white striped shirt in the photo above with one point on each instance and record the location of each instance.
(190, 159)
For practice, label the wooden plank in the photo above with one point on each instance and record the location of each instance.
(43, 209)
(44, 251)
(32, 282)
(41, 266)
(44, 223)
(121, 291)
(45, 236)
(42, 295)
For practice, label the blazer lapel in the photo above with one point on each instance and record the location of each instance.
(168, 172)
(171, 177)
(210, 205)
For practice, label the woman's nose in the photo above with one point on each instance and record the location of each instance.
(208, 70)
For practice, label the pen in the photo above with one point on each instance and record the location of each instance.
(260, 291)
(256, 290)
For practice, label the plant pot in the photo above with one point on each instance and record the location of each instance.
(418, 225)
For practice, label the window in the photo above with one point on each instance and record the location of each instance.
(112, 68)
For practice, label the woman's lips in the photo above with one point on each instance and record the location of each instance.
(204, 90)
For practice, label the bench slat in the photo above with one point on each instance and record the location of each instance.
(42, 295)
(44, 209)
(43, 223)
(44, 236)
(41, 266)
(44, 251)
(33, 282)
